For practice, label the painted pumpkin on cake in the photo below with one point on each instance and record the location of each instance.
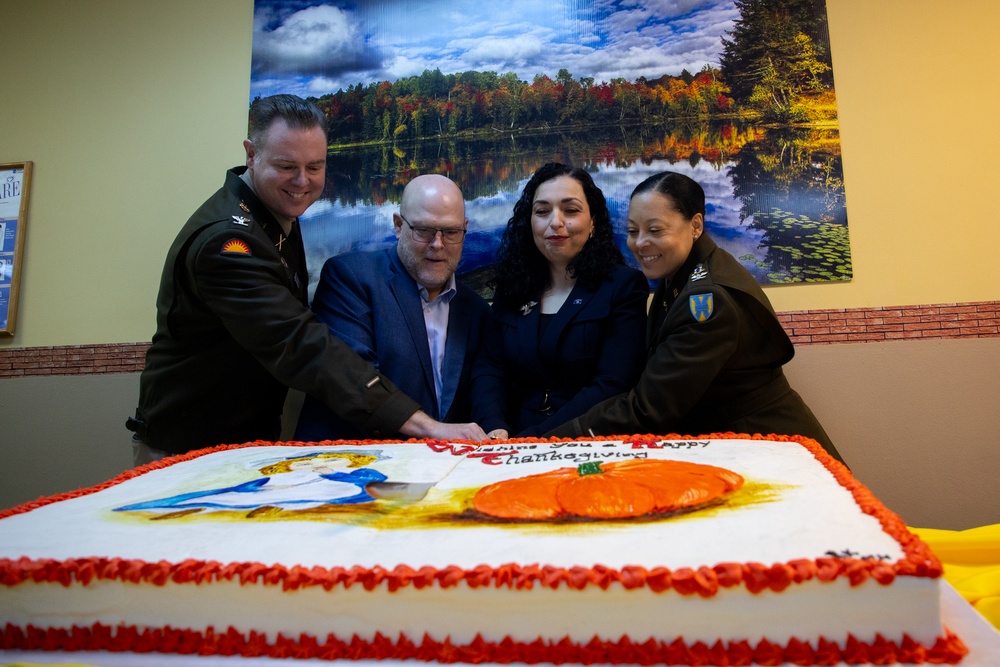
(595, 490)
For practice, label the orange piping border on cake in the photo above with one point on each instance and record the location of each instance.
(705, 581)
(948, 649)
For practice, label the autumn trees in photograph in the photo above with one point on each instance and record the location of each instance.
(774, 67)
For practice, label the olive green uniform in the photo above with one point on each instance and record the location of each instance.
(234, 332)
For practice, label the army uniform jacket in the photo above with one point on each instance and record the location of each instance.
(714, 355)
(233, 332)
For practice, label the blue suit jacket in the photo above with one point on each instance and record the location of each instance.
(592, 349)
(370, 302)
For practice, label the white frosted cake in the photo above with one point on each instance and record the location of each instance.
(715, 550)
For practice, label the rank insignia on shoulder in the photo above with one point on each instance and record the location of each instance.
(698, 273)
(701, 306)
(236, 247)
(240, 220)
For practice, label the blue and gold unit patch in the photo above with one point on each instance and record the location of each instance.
(701, 306)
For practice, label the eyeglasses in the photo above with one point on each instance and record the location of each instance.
(428, 234)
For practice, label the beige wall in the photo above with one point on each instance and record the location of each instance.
(917, 101)
(917, 421)
(132, 110)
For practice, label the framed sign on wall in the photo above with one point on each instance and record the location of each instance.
(15, 184)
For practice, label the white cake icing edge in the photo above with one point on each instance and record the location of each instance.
(813, 609)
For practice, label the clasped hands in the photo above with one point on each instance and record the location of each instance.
(422, 425)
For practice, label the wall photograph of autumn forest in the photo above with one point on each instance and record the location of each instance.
(737, 94)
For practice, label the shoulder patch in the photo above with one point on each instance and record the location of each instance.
(236, 247)
(701, 306)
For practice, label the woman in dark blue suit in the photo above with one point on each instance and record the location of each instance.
(570, 315)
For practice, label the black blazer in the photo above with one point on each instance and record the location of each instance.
(590, 350)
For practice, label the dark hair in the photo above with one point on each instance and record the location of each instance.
(522, 272)
(685, 193)
(295, 111)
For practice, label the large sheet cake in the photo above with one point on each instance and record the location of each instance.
(719, 549)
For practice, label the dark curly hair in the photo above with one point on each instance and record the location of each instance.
(522, 272)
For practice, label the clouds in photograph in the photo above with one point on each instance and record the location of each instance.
(312, 47)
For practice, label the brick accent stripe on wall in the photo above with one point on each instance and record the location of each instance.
(72, 360)
(806, 327)
(979, 319)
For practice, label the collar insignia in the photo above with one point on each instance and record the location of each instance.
(698, 273)
(526, 308)
(240, 220)
(577, 302)
(668, 302)
(244, 207)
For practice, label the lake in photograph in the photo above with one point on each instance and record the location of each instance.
(774, 196)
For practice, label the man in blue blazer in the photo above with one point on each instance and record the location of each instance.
(402, 310)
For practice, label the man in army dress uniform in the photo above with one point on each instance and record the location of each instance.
(234, 330)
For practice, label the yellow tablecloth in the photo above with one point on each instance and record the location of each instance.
(971, 564)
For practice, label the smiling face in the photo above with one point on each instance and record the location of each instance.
(287, 168)
(560, 220)
(660, 236)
